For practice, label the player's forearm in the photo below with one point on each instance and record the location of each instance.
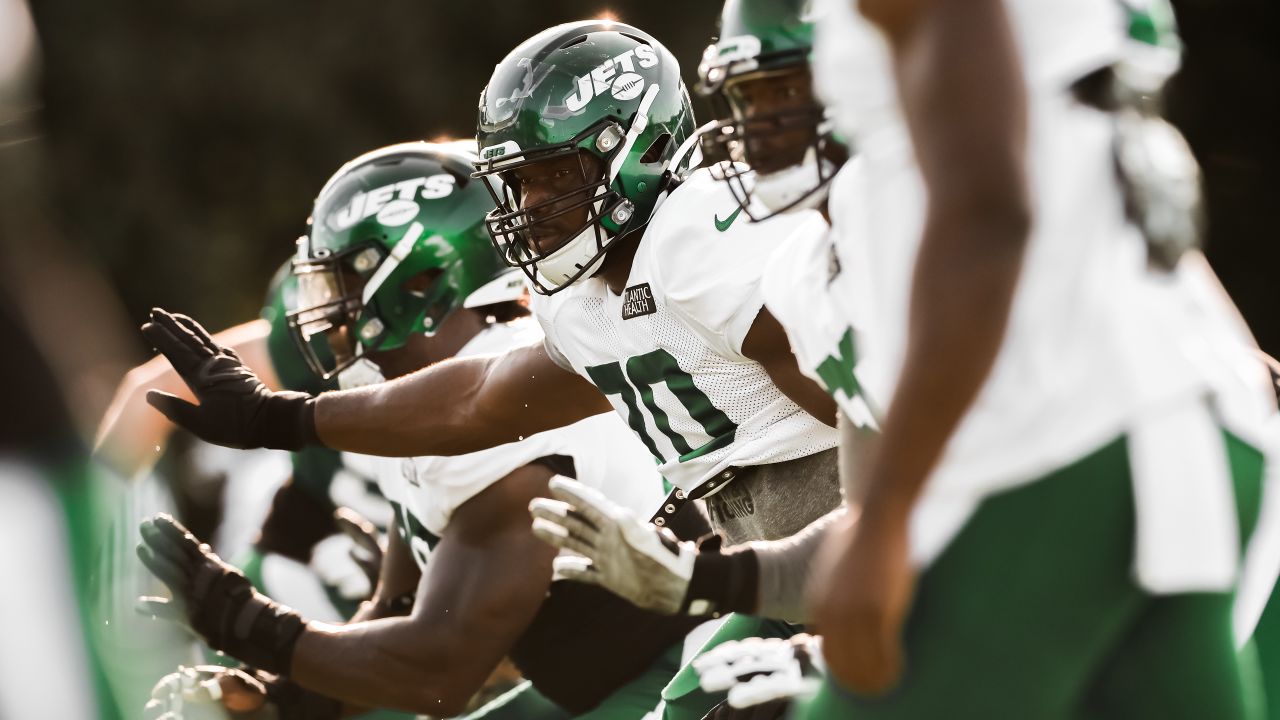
(424, 413)
(458, 406)
(385, 663)
(962, 96)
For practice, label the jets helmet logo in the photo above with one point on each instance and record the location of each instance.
(394, 204)
(606, 78)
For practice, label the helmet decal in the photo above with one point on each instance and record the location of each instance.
(601, 78)
(389, 203)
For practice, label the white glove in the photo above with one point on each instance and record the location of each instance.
(334, 561)
(194, 693)
(618, 551)
(760, 670)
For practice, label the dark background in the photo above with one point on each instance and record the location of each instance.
(191, 137)
(187, 139)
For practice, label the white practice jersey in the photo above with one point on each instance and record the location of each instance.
(425, 491)
(668, 351)
(1097, 345)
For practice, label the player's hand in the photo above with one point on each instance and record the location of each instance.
(236, 409)
(215, 599)
(861, 593)
(208, 692)
(619, 551)
(212, 692)
(762, 676)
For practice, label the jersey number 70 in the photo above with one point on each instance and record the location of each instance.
(659, 367)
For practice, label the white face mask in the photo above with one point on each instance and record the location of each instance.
(556, 268)
(780, 189)
(361, 373)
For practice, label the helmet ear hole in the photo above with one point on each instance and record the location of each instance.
(419, 284)
(656, 150)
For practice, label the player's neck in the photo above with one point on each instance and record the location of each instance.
(617, 264)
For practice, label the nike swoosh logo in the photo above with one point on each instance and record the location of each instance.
(723, 225)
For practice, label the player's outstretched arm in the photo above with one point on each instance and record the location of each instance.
(454, 407)
(648, 567)
(458, 406)
(485, 582)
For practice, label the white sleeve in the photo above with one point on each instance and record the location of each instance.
(544, 309)
(448, 482)
(792, 277)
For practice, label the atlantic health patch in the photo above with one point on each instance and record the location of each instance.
(637, 300)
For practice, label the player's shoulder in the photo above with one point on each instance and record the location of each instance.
(699, 210)
(700, 234)
(804, 256)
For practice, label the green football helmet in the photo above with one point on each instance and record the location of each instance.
(595, 88)
(397, 242)
(784, 158)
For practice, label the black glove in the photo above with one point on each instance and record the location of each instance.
(220, 602)
(236, 409)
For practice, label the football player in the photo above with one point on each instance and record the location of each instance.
(1071, 454)
(648, 292)
(758, 74)
(59, 657)
(398, 273)
(778, 156)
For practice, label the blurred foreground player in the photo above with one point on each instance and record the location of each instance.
(56, 657)
(50, 521)
(1044, 354)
